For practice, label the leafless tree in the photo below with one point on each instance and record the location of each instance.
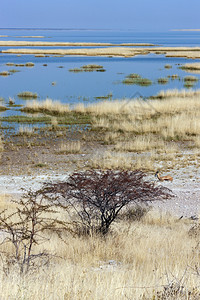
(97, 197)
(25, 228)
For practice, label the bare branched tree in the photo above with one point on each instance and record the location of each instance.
(97, 197)
(25, 227)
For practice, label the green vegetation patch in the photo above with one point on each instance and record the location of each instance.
(137, 80)
(189, 84)
(107, 97)
(68, 119)
(88, 68)
(76, 70)
(26, 119)
(163, 80)
(13, 71)
(19, 65)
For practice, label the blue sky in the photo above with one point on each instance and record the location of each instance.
(144, 15)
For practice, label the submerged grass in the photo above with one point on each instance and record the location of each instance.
(163, 80)
(13, 71)
(88, 68)
(29, 64)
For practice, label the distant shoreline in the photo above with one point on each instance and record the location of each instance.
(65, 44)
(185, 30)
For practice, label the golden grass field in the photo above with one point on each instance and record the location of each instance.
(143, 260)
(135, 261)
(161, 130)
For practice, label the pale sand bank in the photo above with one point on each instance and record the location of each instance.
(30, 36)
(188, 52)
(67, 44)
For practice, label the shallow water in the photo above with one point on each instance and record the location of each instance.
(73, 88)
(170, 38)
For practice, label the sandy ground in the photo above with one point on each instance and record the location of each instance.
(186, 202)
(20, 168)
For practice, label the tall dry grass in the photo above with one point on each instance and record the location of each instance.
(178, 93)
(26, 130)
(72, 147)
(138, 258)
(122, 161)
(137, 125)
(47, 105)
(1, 144)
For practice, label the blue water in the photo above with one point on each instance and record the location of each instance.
(170, 38)
(84, 87)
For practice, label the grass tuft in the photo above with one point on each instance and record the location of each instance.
(27, 95)
(29, 64)
(72, 147)
(137, 80)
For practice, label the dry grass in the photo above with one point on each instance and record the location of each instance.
(1, 145)
(72, 147)
(4, 73)
(47, 105)
(191, 67)
(122, 161)
(175, 93)
(27, 95)
(141, 143)
(137, 259)
(173, 117)
(26, 130)
(29, 64)
(191, 78)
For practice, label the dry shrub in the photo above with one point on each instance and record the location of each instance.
(97, 197)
